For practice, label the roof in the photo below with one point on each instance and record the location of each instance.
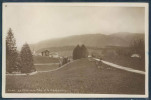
(135, 55)
(45, 51)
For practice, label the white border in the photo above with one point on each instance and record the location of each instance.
(58, 95)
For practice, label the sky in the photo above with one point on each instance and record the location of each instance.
(34, 23)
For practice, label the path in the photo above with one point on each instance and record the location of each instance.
(45, 63)
(121, 67)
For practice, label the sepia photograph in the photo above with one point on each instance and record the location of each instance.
(75, 50)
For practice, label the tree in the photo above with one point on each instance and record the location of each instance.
(138, 46)
(76, 52)
(11, 52)
(26, 59)
(80, 52)
(84, 51)
(18, 63)
(65, 60)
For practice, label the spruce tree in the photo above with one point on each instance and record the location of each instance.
(11, 52)
(18, 63)
(84, 51)
(76, 52)
(26, 59)
(80, 52)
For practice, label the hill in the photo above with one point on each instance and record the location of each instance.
(129, 36)
(80, 76)
(90, 40)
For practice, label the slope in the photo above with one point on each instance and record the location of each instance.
(91, 40)
(80, 76)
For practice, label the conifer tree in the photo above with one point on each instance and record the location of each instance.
(18, 63)
(84, 51)
(80, 52)
(75, 52)
(11, 52)
(26, 59)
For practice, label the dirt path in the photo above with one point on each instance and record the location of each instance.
(19, 74)
(121, 67)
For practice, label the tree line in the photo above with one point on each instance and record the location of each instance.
(18, 61)
(136, 46)
(80, 52)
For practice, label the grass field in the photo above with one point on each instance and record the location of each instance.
(43, 63)
(134, 63)
(81, 76)
(46, 67)
(44, 59)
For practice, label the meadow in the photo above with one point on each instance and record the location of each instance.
(135, 63)
(44, 60)
(80, 76)
(46, 67)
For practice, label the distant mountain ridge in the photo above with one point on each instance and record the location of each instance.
(91, 40)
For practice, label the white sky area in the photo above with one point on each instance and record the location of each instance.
(34, 23)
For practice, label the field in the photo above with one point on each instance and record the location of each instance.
(43, 63)
(80, 76)
(44, 59)
(134, 63)
(46, 67)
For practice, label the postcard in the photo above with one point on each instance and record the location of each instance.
(75, 50)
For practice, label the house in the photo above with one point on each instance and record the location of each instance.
(135, 56)
(89, 56)
(45, 53)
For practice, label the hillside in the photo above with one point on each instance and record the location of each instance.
(128, 36)
(90, 40)
(66, 50)
(80, 76)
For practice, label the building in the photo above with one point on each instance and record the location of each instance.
(135, 56)
(45, 53)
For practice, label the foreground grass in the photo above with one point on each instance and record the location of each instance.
(81, 76)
